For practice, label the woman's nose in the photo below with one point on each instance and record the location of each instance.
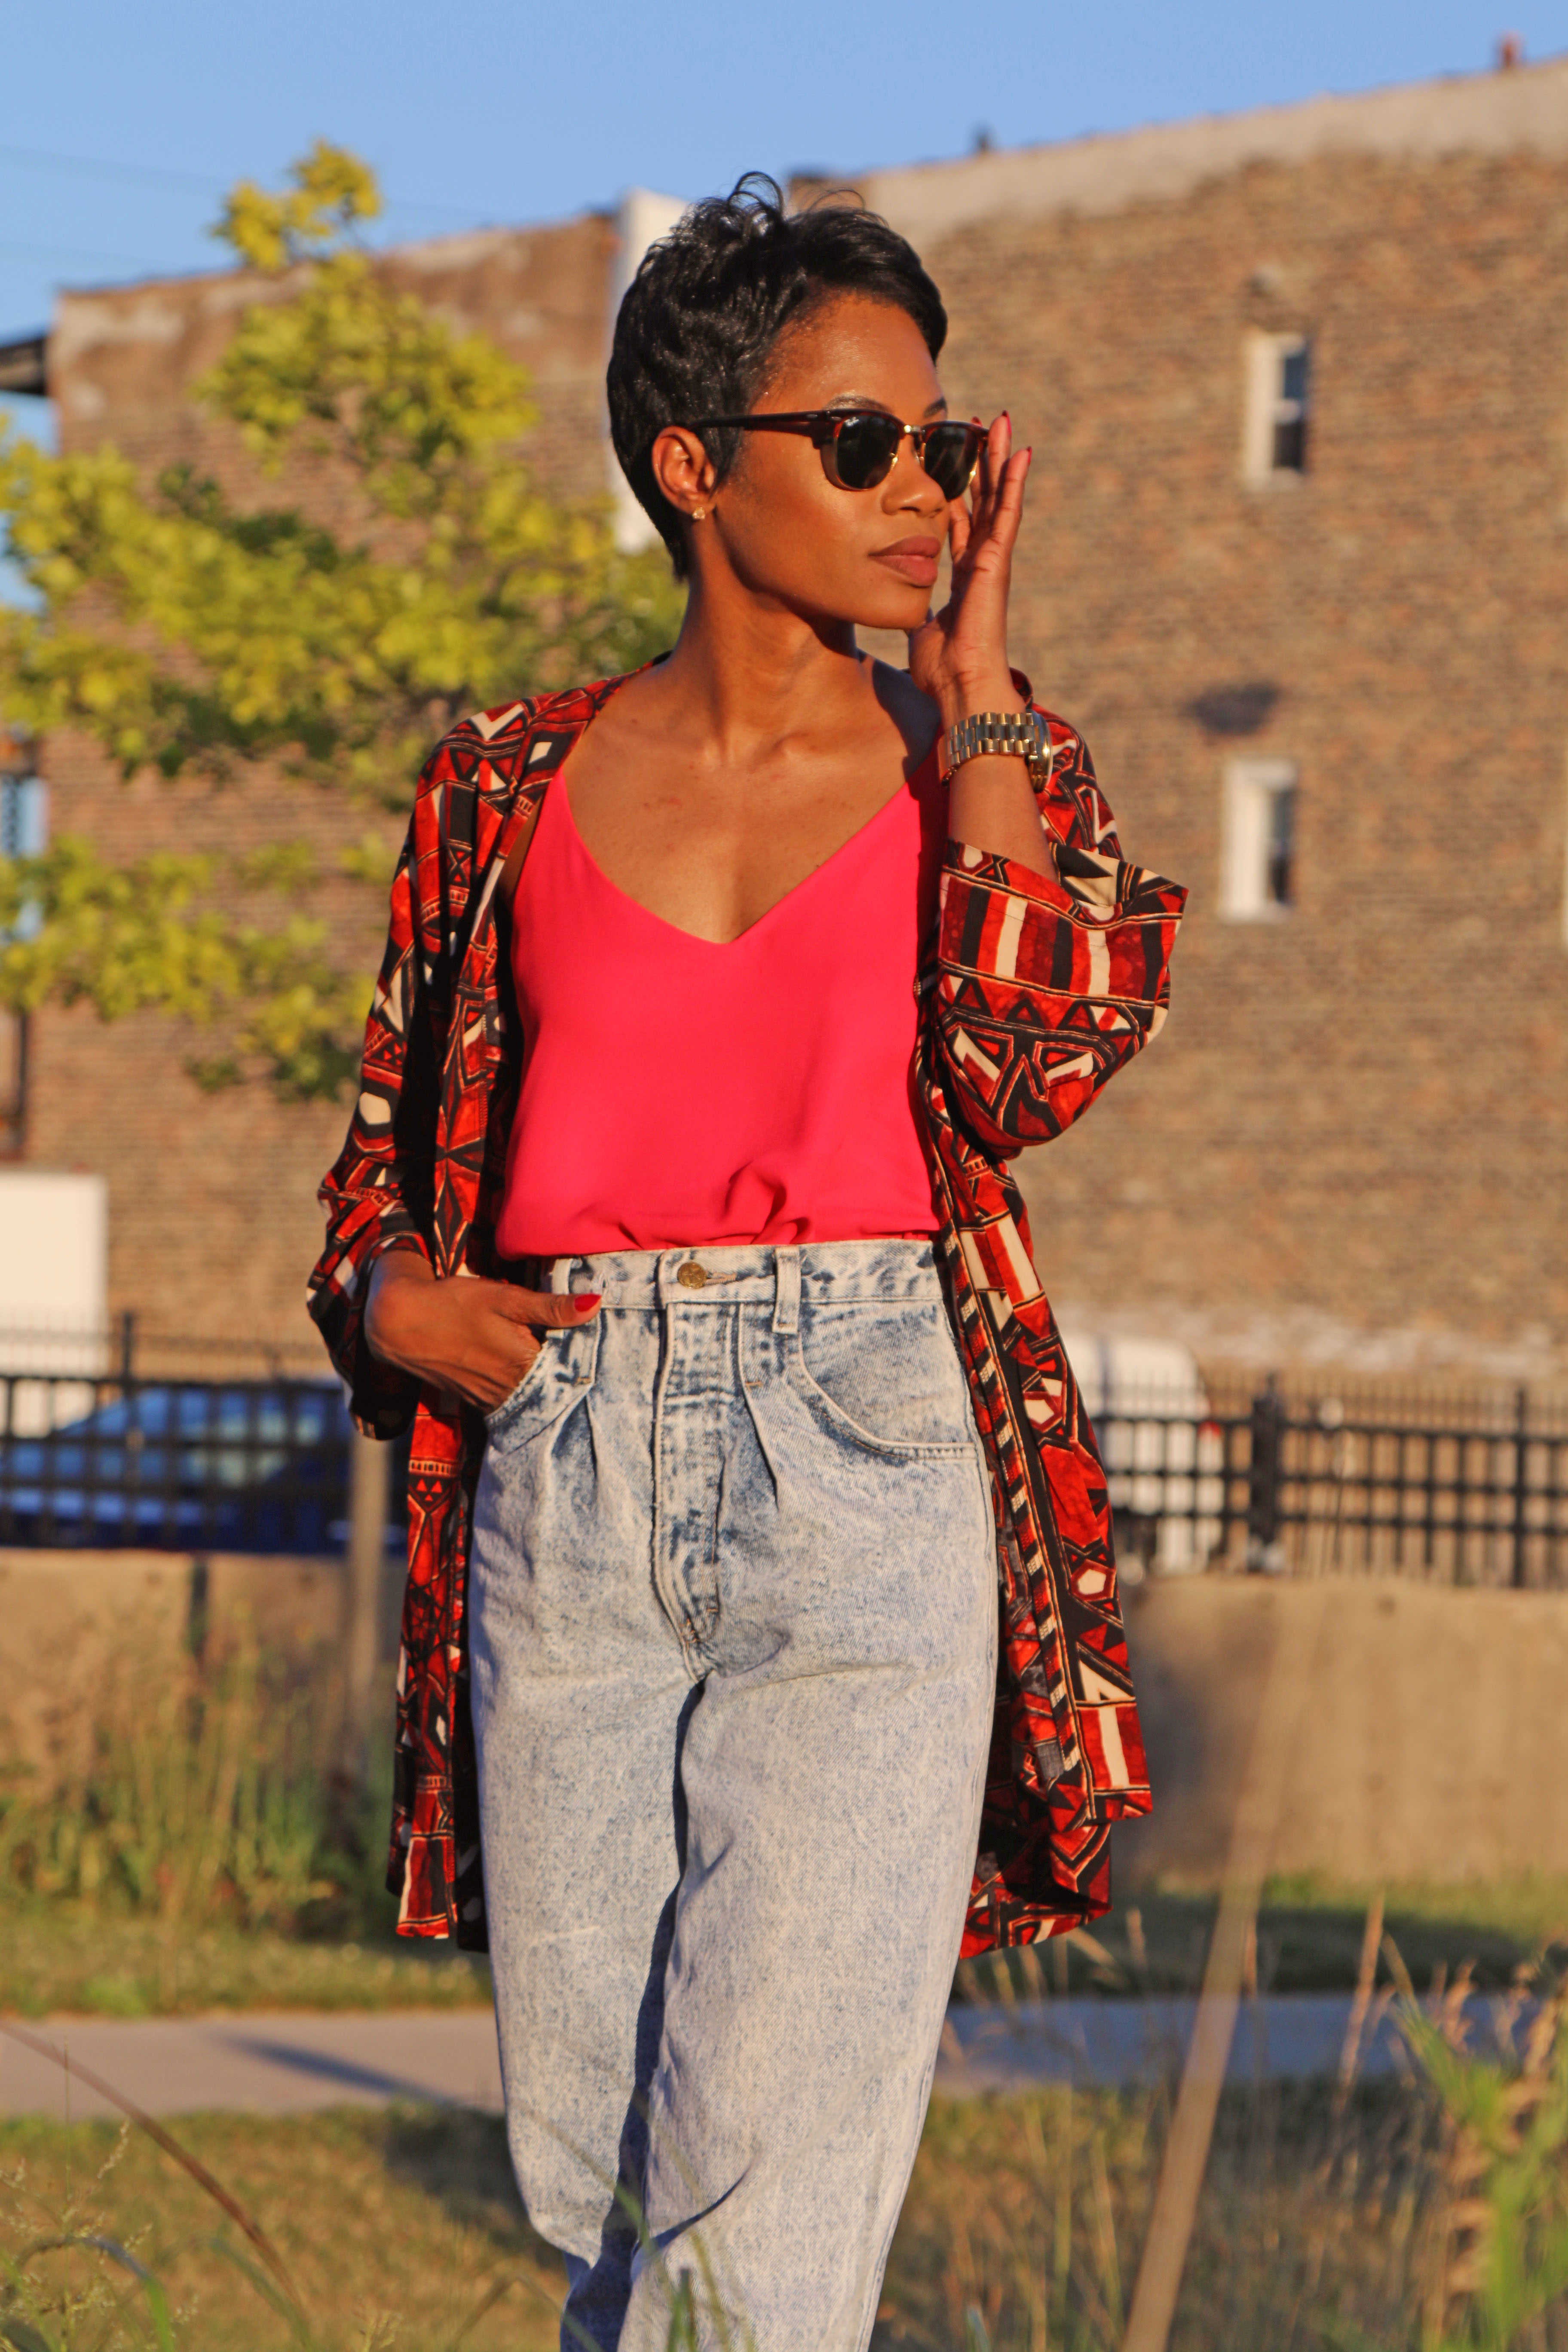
(910, 486)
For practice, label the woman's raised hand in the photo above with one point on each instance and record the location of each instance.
(465, 1335)
(960, 655)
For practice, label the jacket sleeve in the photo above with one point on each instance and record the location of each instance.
(1048, 983)
(378, 1193)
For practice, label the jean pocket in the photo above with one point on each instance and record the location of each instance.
(889, 1378)
(560, 1376)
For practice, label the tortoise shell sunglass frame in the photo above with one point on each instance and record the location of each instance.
(857, 446)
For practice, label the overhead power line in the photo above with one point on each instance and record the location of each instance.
(99, 167)
(86, 254)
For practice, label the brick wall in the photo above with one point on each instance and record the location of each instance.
(213, 1217)
(1352, 1140)
(122, 363)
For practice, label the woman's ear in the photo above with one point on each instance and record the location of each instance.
(683, 469)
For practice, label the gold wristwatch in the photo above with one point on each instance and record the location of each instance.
(1015, 733)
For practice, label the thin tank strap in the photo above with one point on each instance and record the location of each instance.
(511, 872)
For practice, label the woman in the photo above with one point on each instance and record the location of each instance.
(718, 1462)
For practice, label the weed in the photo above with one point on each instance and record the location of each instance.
(1430, 2215)
(1498, 2274)
(202, 1803)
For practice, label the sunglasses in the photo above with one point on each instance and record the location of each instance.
(857, 446)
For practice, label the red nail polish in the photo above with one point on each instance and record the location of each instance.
(586, 1300)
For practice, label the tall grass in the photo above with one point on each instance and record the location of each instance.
(201, 1848)
(68, 2284)
(1421, 2215)
(204, 1796)
(1425, 2215)
(1430, 2215)
(1499, 2275)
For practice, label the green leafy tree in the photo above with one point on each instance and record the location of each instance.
(414, 573)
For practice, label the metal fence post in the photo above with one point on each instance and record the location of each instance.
(365, 1568)
(127, 1347)
(1263, 1479)
(1521, 1485)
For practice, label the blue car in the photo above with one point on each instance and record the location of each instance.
(237, 1466)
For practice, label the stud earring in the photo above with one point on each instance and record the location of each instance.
(699, 514)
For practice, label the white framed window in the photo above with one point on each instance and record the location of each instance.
(24, 815)
(1274, 427)
(23, 832)
(1257, 840)
(24, 828)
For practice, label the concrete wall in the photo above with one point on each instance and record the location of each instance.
(1434, 1743)
(1433, 1746)
(69, 1620)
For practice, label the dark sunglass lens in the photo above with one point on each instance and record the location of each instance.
(950, 454)
(864, 448)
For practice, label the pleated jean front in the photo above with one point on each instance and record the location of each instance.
(732, 1626)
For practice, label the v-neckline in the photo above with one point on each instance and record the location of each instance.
(696, 938)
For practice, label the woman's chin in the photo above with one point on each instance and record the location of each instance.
(901, 608)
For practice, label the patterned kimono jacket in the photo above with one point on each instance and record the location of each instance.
(1035, 988)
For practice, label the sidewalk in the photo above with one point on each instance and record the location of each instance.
(1104, 2043)
(276, 2062)
(290, 2062)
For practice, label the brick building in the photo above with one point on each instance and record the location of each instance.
(1296, 384)
(213, 1222)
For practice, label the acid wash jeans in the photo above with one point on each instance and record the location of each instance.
(733, 1631)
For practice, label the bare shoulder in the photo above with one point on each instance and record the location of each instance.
(629, 728)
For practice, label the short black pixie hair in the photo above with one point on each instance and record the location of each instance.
(709, 301)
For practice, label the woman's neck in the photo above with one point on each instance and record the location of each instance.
(747, 675)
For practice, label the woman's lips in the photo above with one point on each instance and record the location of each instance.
(913, 559)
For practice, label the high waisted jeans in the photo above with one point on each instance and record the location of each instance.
(733, 1629)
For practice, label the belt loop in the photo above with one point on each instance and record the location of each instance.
(561, 1274)
(786, 1290)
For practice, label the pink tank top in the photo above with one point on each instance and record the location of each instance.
(678, 1090)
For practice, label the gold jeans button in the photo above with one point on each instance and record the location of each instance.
(692, 1276)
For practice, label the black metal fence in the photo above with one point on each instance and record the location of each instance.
(1457, 1488)
(117, 1440)
(257, 1465)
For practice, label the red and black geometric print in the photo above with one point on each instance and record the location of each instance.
(1036, 988)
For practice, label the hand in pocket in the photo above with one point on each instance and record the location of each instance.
(474, 1336)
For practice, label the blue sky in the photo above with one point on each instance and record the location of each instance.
(125, 124)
